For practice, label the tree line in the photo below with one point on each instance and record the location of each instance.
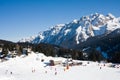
(53, 50)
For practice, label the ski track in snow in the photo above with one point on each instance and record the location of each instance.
(31, 68)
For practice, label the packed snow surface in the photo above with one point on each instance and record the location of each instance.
(31, 68)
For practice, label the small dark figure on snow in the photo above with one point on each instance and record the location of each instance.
(11, 73)
(55, 69)
(33, 70)
(55, 73)
(46, 72)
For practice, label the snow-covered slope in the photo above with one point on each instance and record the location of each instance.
(31, 68)
(77, 31)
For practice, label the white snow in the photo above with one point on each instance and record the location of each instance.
(67, 31)
(112, 25)
(75, 21)
(110, 15)
(31, 68)
(78, 31)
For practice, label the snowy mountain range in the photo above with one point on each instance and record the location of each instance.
(77, 31)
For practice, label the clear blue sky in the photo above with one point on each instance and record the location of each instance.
(24, 18)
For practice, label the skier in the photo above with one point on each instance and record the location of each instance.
(100, 67)
(46, 72)
(55, 73)
(11, 73)
(64, 69)
(33, 70)
(55, 69)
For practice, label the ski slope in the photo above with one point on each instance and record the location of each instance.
(31, 68)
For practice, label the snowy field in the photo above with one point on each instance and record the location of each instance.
(31, 68)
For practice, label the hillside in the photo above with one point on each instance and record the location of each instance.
(31, 68)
